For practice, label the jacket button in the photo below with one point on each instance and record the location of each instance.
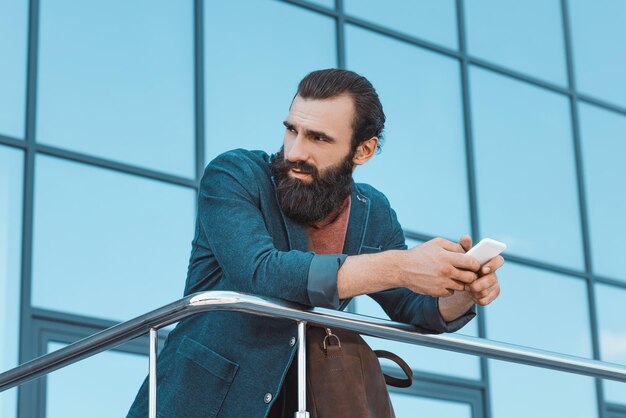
(268, 398)
(292, 341)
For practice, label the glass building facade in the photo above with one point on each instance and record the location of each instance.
(506, 119)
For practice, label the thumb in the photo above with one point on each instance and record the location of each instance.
(466, 242)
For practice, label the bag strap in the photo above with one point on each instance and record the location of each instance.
(394, 381)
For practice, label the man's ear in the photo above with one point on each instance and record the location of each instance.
(365, 151)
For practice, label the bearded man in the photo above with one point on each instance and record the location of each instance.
(296, 226)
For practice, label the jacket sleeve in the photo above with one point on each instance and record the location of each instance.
(229, 215)
(403, 305)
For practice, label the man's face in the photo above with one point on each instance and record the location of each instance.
(318, 134)
(313, 169)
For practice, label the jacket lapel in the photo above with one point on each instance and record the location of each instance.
(296, 234)
(359, 213)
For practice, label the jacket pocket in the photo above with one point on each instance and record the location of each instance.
(196, 383)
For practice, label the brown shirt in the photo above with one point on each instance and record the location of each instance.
(328, 235)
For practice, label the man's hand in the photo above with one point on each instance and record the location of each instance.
(486, 288)
(481, 291)
(438, 268)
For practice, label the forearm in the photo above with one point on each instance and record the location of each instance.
(453, 307)
(368, 273)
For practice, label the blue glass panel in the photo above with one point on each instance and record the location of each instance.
(525, 169)
(611, 313)
(598, 34)
(108, 244)
(434, 21)
(407, 406)
(116, 80)
(252, 73)
(523, 391)
(8, 403)
(422, 358)
(11, 197)
(13, 39)
(604, 153)
(422, 165)
(526, 36)
(558, 319)
(102, 386)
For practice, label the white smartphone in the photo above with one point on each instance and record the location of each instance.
(486, 249)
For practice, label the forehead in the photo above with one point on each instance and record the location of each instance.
(333, 116)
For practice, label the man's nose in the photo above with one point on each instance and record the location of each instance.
(298, 150)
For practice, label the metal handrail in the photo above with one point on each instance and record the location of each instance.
(233, 301)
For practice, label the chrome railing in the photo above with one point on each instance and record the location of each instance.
(232, 301)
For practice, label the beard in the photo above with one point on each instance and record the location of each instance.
(311, 202)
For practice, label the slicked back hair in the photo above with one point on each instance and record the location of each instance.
(369, 118)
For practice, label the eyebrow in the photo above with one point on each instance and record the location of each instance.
(311, 133)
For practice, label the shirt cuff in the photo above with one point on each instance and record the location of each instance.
(435, 322)
(322, 281)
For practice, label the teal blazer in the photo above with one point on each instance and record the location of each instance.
(232, 365)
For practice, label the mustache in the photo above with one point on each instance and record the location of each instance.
(283, 166)
(303, 167)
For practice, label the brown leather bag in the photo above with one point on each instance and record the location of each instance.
(344, 378)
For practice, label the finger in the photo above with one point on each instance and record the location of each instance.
(464, 276)
(466, 242)
(455, 285)
(481, 290)
(492, 265)
(483, 283)
(450, 246)
(486, 300)
(477, 295)
(464, 261)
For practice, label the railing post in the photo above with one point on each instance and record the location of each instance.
(152, 396)
(302, 412)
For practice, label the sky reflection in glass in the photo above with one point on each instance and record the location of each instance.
(13, 39)
(433, 21)
(116, 80)
(526, 36)
(599, 50)
(603, 138)
(522, 391)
